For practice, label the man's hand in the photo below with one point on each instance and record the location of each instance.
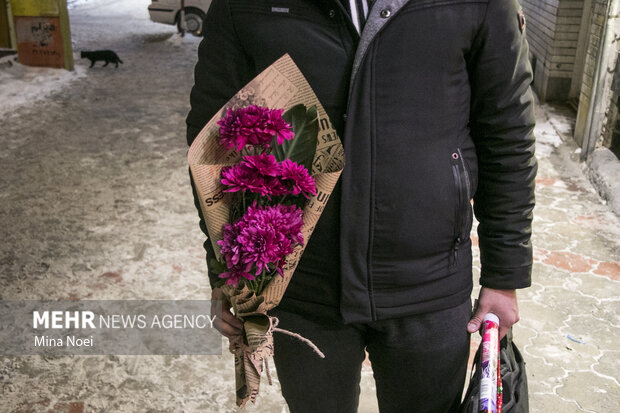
(502, 303)
(228, 325)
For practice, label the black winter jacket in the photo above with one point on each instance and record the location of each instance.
(434, 106)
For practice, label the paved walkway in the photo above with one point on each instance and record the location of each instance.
(95, 205)
(570, 327)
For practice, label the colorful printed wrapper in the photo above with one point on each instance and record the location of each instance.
(489, 365)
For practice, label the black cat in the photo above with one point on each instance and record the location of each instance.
(106, 55)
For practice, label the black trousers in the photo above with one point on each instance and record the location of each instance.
(419, 362)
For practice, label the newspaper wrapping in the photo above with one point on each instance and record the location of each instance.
(281, 85)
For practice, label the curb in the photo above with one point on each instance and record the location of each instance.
(604, 173)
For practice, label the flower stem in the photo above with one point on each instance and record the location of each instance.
(260, 285)
(262, 282)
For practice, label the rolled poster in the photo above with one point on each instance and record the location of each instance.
(489, 364)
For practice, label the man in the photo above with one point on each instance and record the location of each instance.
(432, 99)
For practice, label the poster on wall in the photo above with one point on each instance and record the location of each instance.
(39, 41)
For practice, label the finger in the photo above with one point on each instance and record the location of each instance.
(502, 331)
(476, 321)
(226, 328)
(229, 331)
(230, 319)
(226, 314)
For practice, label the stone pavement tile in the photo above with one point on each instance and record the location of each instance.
(609, 364)
(551, 237)
(590, 391)
(521, 335)
(131, 384)
(599, 243)
(566, 302)
(569, 261)
(593, 331)
(609, 310)
(543, 378)
(540, 317)
(609, 269)
(555, 348)
(527, 294)
(600, 288)
(31, 404)
(547, 211)
(546, 275)
(576, 250)
(551, 403)
(600, 249)
(603, 221)
(68, 407)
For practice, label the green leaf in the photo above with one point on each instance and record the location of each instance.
(305, 124)
(217, 267)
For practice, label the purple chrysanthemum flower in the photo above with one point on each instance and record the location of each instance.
(263, 237)
(264, 164)
(255, 173)
(231, 250)
(261, 246)
(291, 218)
(237, 178)
(236, 273)
(253, 125)
(297, 179)
(280, 128)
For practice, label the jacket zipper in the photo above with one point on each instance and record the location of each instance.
(466, 175)
(462, 210)
(457, 219)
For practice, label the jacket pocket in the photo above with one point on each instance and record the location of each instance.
(462, 210)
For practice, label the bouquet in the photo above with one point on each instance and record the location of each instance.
(266, 216)
(264, 168)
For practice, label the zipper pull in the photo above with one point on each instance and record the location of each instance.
(455, 248)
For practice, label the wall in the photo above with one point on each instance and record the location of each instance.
(597, 121)
(42, 31)
(5, 37)
(553, 28)
(611, 132)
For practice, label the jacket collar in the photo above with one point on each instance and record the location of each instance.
(376, 20)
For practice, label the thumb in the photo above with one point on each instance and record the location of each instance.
(475, 322)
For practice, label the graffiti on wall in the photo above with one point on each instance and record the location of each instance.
(43, 33)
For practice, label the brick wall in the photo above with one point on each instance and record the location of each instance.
(553, 33)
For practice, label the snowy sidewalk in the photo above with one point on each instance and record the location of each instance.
(95, 204)
(570, 323)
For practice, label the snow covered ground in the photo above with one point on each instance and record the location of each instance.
(95, 24)
(21, 85)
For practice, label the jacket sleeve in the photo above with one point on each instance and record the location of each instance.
(222, 69)
(502, 122)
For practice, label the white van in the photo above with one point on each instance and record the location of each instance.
(169, 12)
